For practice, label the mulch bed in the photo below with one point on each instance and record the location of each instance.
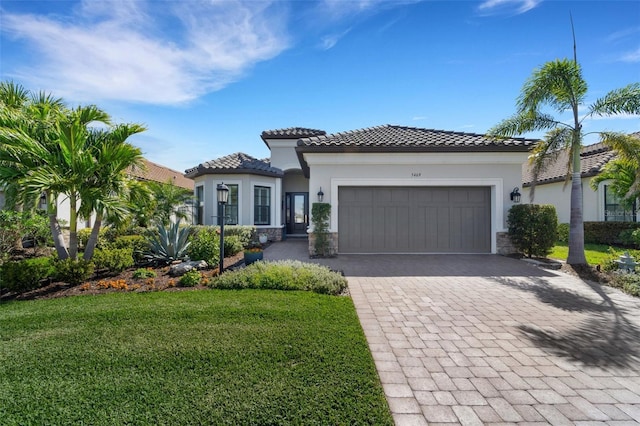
(118, 283)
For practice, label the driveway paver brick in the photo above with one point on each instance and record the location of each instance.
(484, 339)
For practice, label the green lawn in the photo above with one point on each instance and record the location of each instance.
(193, 357)
(595, 253)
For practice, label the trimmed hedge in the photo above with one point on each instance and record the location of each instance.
(283, 275)
(24, 275)
(607, 232)
(246, 234)
(533, 228)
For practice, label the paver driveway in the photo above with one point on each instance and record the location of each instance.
(486, 339)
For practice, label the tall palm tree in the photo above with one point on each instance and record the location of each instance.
(25, 115)
(559, 84)
(168, 198)
(108, 182)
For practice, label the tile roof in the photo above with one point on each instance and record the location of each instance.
(157, 173)
(291, 133)
(409, 139)
(594, 158)
(238, 163)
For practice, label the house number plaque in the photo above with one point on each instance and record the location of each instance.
(416, 174)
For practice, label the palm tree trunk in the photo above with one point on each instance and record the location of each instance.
(576, 225)
(93, 238)
(58, 238)
(73, 227)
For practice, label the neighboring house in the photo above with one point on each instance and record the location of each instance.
(149, 172)
(392, 189)
(598, 206)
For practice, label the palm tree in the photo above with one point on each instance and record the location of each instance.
(624, 170)
(559, 84)
(25, 115)
(168, 199)
(104, 189)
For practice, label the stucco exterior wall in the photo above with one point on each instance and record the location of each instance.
(560, 196)
(499, 171)
(246, 184)
(294, 181)
(283, 154)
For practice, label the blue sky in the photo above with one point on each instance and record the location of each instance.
(208, 76)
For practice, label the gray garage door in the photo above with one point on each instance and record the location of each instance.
(414, 220)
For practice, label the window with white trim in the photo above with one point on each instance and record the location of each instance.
(261, 205)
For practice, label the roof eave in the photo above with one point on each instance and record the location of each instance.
(204, 171)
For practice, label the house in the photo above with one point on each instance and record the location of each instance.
(392, 189)
(601, 205)
(149, 172)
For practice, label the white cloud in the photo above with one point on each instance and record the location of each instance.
(633, 56)
(117, 50)
(330, 40)
(490, 7)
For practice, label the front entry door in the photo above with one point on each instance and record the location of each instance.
(297, 213)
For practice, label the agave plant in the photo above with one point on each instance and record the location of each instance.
(170, 243)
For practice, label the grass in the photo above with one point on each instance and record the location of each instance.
(595, 253)
(195, 357)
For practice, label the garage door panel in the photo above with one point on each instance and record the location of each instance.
(414, 219)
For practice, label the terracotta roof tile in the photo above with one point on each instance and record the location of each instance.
(157, 173)
(235, 164)
(401, 138)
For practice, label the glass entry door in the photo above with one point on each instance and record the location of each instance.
(297, 213)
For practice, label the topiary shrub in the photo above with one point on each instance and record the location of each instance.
(320, 213)
(283, 275)
(73, 271)
(24, 275)
(533, 228)
(205, 245)
(112, 260)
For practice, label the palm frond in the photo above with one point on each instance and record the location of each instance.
(625, 100)
(558, 84)
(527, 121)
(556, 142)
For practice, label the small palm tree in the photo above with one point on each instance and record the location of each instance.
(624, 171)
(559, 84)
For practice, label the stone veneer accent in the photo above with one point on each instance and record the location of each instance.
(333, 244)
(504, 245)
(274, 234)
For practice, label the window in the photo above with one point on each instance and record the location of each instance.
(199, 205)
(231, 209)
(614, 211)
(262, 205)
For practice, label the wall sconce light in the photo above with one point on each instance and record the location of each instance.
(320, 195)
(515, 195)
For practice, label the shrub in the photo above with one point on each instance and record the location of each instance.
(246, 234)
(112, 260)
(606, 232)
(563, 233)
(283, 275)
(10, 230)
(85, 233)
(533, 228)
(205, 245)
(232, 245)
(73, 271)
(169, 244)
(191, 278)
(143, 273)
(26, 274)
(630, 237)
(629, 283)
(137, 243)
(321, 213)
(35, 226)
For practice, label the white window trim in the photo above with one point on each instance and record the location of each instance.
(272, 210)
(230, 182)
(204, 203)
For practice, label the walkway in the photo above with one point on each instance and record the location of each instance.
(486, 339)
